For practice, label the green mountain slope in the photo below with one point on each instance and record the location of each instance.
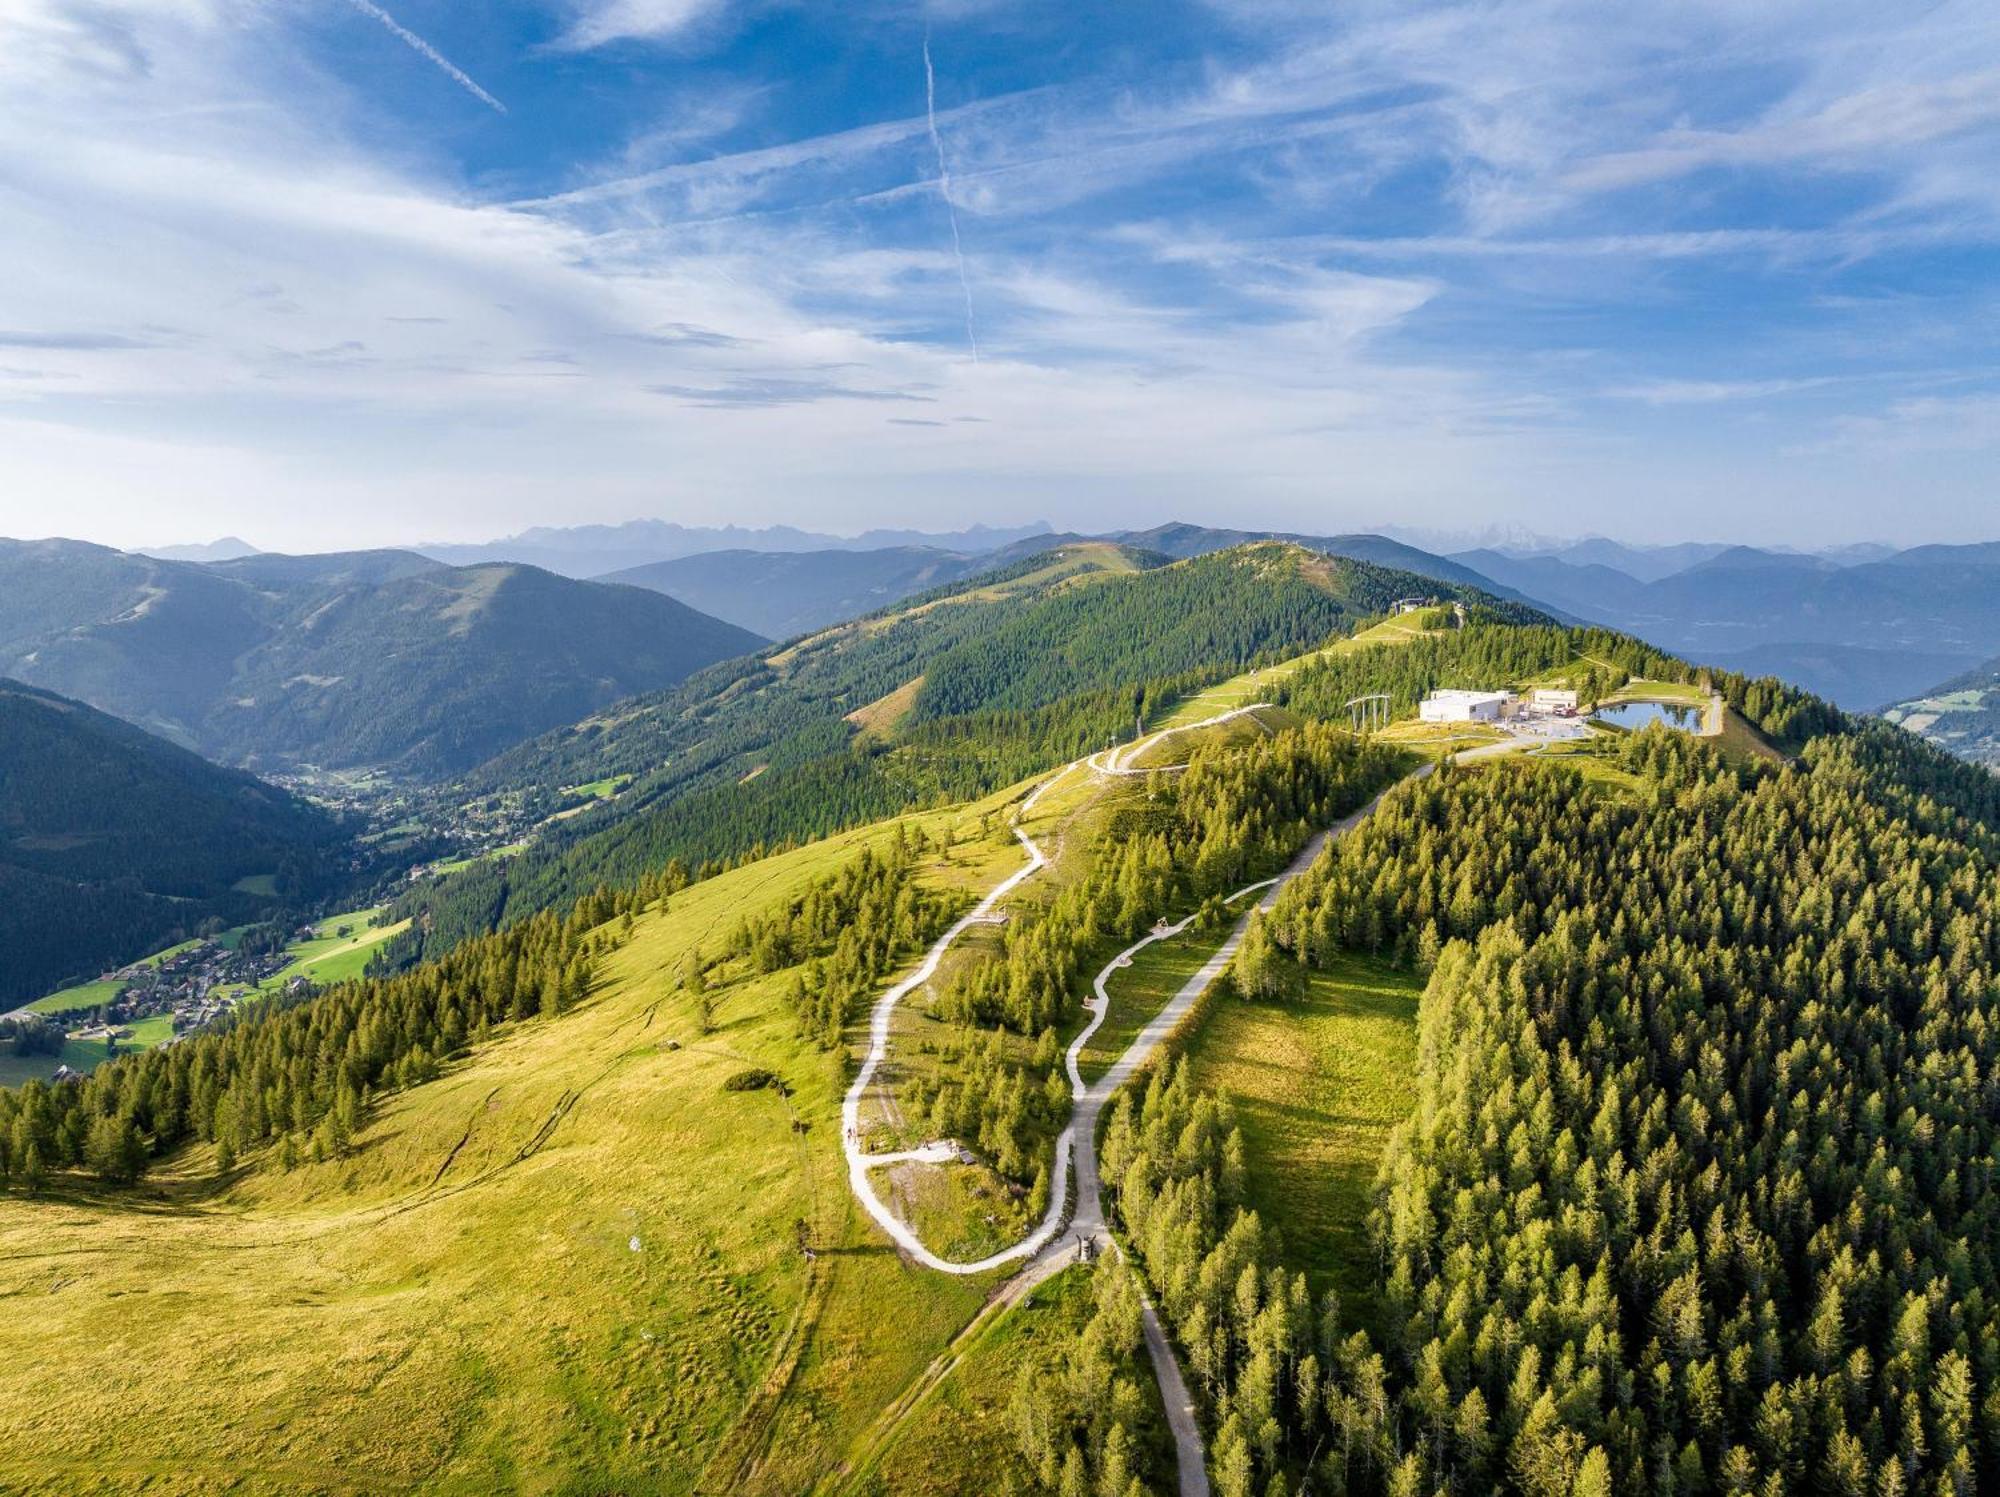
(437, 670)
(945, 696)
(378, 658)
(114, 843)
(150, 641)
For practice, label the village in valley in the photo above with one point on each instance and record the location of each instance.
(193, 984)
(177, 992)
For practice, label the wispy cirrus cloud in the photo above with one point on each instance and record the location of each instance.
(1322, 265)
(429, 53)
(1857, 128)
(1669, 392)
(771, 390)
(77, 342)
(1962, 425)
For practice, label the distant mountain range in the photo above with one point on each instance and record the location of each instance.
(114, 842)
(780, 594)
(1648, 563)
(1863, 625)
(229, 548)
(594, 550)
(1862, 632)
(376, 658)
(785, 593)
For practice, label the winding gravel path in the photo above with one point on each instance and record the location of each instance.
(860, 1163)
(1048, 1254)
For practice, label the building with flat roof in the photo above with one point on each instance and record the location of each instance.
(1464, 706)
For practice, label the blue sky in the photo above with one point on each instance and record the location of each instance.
(336, 272)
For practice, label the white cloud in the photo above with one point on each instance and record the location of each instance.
(597, 22)
(1714, 391)
(208, 273)
(1928, 425)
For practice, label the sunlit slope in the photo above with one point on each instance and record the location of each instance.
(945, 696)
(571, 1263)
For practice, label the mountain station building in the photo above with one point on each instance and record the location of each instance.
(1464, 706)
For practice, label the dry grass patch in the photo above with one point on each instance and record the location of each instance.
(885, 713)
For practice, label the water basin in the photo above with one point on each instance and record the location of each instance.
(1678, 716)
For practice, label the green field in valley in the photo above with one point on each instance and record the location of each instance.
(328, 955)
(602, 789)
(85, 1055)
(83, 995)
(454, 865)
(78, 1055)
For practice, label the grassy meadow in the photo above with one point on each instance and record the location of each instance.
(956, 1436)
(1141, 990)
(78, 1055)
(1257, 685)
(1318, 1086)
(83, 995)
(569, 1264)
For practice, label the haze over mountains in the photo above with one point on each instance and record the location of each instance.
(783, 593)
(593, 550)
(1859, 627)
(377, 658)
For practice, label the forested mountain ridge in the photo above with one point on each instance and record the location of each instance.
(1181, 540)
(114, 843)
(1697, 1193)
(434, 671)
(782, 593)
(942, 697)
(379, 658)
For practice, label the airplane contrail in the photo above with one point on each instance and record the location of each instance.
(944, 190)
(450, 69)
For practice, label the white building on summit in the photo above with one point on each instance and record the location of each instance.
(1464, 706)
